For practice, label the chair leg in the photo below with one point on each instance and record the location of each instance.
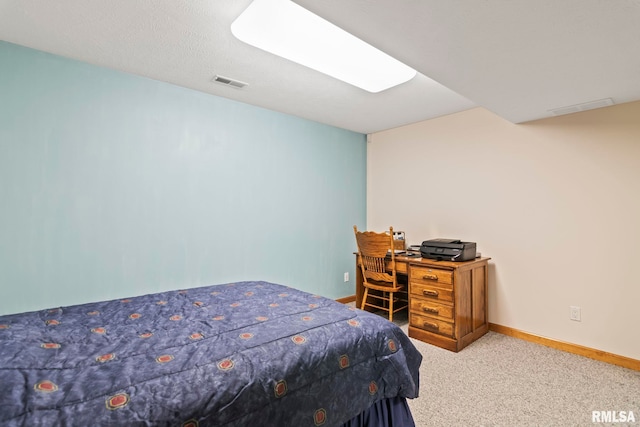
(390, 306)
(364, 298)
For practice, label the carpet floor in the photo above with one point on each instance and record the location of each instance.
(503, 381)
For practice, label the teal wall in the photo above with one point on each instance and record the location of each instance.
(114, 185)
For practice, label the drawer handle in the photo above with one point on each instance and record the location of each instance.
(430, 293)
(431, 310)
(431, 325)
(430, 277)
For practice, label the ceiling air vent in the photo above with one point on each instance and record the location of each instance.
(229, 82)
(582, 107)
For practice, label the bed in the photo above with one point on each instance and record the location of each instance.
(239, 354)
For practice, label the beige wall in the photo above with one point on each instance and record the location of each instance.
(555, 204)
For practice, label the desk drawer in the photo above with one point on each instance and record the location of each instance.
(431, 308)
(430, 292)
(432, 325)
(431, 275)
(401, 267)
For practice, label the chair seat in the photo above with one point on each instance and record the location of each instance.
(382, 287)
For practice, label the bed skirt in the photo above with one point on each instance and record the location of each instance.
(392, 412)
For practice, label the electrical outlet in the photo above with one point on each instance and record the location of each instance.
(346, 276)
(574, 313)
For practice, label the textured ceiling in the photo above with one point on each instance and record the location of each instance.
(518, 58)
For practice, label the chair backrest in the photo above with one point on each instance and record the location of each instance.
(373, 249)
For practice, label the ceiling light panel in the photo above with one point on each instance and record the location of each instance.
(288, 30)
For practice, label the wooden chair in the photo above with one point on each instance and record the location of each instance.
(378, 273)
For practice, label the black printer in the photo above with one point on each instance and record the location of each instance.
(448, 250)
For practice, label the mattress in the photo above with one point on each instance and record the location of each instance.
(239, 354)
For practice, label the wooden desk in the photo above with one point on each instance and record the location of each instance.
(447, 300)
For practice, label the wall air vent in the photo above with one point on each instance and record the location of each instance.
(592, 105)
(229, 82)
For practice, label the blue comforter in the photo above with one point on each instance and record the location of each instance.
(241, 354)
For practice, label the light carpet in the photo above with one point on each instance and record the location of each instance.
(503, 381)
